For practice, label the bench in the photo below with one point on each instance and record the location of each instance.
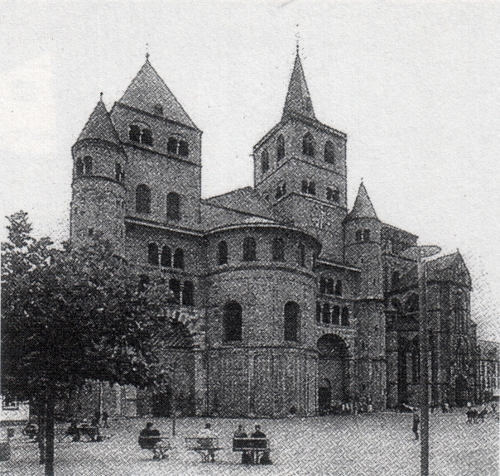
(156, 444)
(206, 447)
(256, 447)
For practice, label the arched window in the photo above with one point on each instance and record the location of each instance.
(166, 257)
(326, 313)
(173, 206)
(336, 315)
(359, 235)
(183, 148)
(280, 148)
(322, 285)
(301, 255)
(188, 294)
(147, 137)
(232, 322)
(172, 145)
(264, 160)
(134, 133)
(318, 312)
(345, 316)
(395, 280)
(222, 253)
(308, 144)
(329, 152)
(329, 286)
(142, 199)
(87, 165)
(292, 315)
(79, 167)
(175, 289)
(338, 288)
(278, 249)
(179, 258)
(366, 235)
(153, 253)
(249, 249)
(119, 175)
(332, 194)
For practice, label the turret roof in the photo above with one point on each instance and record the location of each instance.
(99, 126)
(363, 207)
(298, 99)
(147, 91)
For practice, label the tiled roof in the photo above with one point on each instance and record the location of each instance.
(363, 207)
(99, 126)
(147, 91)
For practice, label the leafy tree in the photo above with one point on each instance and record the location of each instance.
(73, 314)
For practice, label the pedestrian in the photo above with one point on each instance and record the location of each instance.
(105, 417)
(416, 422)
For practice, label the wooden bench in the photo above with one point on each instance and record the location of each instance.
(156, 444)
(206, 447)
(256, 447)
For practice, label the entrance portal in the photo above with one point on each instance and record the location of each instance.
(332, 368)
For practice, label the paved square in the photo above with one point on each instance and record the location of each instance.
(369, 445)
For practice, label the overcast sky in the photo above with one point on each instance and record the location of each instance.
(416, 87)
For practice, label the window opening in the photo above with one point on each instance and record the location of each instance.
(232, 322)
(280, 148)
(249, 249)
(345, 316)
(173, 206)
(291, 328)
(79, 167)
(326, 313)
(142, 199)
(87, 165)
(329, 152)
(166, 257)
(153, 254)
(264, 158)
(175, 289)
(308, 145)
(338, 288)
(301, 258)
(278, 249)
(179, 258)
(222, 253)
(336, 315)
(188, 294)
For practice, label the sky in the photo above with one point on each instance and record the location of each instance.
(416, 87)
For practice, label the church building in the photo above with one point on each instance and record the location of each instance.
(284, 300)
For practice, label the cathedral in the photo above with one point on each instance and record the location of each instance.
(283, 300)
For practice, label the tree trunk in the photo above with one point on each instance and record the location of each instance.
(49, 436)
(41, 412)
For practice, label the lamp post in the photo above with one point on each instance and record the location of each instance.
(419, 253)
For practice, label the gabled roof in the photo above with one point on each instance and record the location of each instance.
(245, 200)
(363, 207)
(99, 126)
(450, 267)
(298, 99)
(148, 90)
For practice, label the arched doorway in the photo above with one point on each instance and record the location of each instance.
(174, 387)
(324, 396)
(332, 368)
(461, 391)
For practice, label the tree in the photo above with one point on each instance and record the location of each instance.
(71, 314)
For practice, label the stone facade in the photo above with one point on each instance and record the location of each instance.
(284, 301)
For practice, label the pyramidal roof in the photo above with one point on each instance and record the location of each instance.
(147, 91)
(298, 99)
(99, 126)
(363, 207)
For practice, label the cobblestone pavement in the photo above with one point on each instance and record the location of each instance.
(369, 445)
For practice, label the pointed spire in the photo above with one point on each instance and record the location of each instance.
(298, 99)
(363, 207)
(148, 92)
(99, 126)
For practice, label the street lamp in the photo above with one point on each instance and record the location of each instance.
(418, 253)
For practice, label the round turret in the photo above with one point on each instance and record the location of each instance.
(98, 190)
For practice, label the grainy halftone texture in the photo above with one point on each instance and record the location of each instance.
(368, 445)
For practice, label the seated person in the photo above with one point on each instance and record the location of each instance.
(31, 429)
(73, 430)
(258, 444)
(150, 439)
(240, 433)
(205, 440)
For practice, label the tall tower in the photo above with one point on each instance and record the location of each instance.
(300, 168)
(364, 251)
(163, 146)
(98, 188)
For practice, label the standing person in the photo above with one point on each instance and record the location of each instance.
(105, 417)
(206, 440)
(416, 421)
